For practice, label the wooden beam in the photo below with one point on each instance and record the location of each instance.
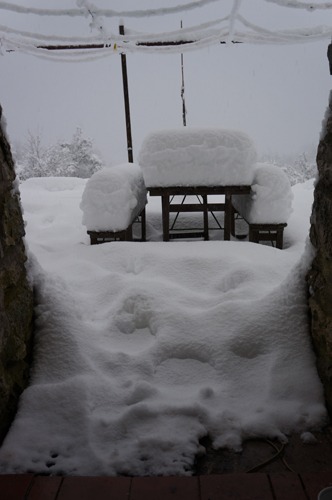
(91, 46)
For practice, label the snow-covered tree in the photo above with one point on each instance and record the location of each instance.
(58, 161)
(30, 159)
(83, 160)
(303, 168)
(299, 168)
(73, 159)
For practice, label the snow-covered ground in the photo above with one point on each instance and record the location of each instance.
(141, 349)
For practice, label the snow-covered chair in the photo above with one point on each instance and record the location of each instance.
(114, 198)
(268, 206)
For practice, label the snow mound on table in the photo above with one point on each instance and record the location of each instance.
(197, 157)
(270, 200)
(113, 197)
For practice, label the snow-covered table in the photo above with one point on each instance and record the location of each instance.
(199, 162)
(167, 194)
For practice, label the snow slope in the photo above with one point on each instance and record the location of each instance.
(144, 348)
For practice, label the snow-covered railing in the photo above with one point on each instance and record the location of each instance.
(113, 198)
(197, 157)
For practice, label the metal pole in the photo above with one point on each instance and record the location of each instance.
(184, 111)
(126, 101)
(329, 56)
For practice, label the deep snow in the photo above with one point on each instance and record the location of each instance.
(144, 348)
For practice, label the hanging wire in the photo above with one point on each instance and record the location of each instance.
(81, 12)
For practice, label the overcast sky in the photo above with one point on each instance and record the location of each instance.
(276, 93)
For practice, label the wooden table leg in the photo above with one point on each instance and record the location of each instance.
(280, 238)
(205, 217)
(233, 221)
(165, 216)
(143, 225)
(228, 217)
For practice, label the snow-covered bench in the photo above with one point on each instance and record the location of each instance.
(114, 198)
(268, 206)
(198, 162)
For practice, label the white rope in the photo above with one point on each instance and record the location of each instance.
(302, 5)
(233, 17)
(40, 39)
(188, 34)
(196, 37)
(299, 35)
(82, 12)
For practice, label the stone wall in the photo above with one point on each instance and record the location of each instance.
(16, 300)
(320, 275)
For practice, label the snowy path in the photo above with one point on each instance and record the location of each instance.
(144, 348)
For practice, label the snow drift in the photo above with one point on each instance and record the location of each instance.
(141, 349)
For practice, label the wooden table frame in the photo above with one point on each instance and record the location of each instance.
(166, 193)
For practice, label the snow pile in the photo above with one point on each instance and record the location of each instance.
(197, 157)
(141, 349)
(270, 200)
(113, 197)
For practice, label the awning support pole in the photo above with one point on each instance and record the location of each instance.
(126, 101)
